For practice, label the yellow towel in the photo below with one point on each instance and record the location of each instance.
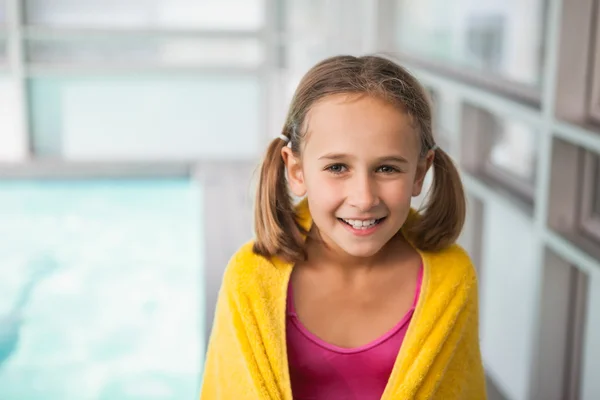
(439, 358)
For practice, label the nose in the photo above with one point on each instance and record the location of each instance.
(363, 193)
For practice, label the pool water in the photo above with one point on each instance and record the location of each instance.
(100, 289)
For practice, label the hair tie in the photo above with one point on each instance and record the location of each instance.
(434, 147)
(286, 140)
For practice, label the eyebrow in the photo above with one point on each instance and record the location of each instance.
(341, 156)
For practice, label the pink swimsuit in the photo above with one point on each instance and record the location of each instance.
(319, 370)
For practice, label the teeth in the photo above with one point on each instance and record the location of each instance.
(361, 224)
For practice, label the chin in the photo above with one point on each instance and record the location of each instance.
(362, 251)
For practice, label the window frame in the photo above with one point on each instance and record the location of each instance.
(478, 120)
(42, 50)
(561, 334)
(19, 34)
(589, 220)
(521, 188)
(494, 82)
(594, 96)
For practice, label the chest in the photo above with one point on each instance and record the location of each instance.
(351, 314)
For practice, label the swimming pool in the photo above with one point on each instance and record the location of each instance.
(101, 289)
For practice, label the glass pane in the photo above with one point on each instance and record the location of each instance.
(100, 289)
(147, 51)
(514, 149)
(502, 149)
(172, 14)
(504, 38)
(103, 117)
(509, 146)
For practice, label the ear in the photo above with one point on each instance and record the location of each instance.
(422, 169)
(295, 174)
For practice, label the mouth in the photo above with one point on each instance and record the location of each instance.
(362, 224)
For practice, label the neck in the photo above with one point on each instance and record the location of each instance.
(331, 256)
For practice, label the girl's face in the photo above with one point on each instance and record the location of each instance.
(359, 168)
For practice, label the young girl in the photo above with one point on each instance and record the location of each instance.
(351, 294)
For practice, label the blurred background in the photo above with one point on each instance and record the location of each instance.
(129, 136)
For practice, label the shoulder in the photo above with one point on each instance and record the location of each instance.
(247, 270)
(453, 263)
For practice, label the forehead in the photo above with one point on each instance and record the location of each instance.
(359, 123)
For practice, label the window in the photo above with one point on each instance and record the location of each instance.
(314, 29)
(93, 67)
(305, 25)
(595, 71)
(434, 98)
(590, 199)
(139, 34)
(100, 271)
(573, 205)
(445, 103)
(83, 118)
(11, 132)
(502, 39)
(564, 305)
(509, 271)
(472, 234)
(596, 207)
(502, 150)
(2, 13)
(578, 74)
(141, 14)
(139, 51)
(3, 34)
(3, 55)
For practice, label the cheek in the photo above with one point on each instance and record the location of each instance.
(397, 192)
(322, 190)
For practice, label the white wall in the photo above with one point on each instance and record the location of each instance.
(591, 355)
(509, 274)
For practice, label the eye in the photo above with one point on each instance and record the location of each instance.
(388, 169)
(336, 168)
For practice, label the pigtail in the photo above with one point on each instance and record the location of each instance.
(277, 231)
(442, 221)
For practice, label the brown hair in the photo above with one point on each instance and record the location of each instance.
(442, 217)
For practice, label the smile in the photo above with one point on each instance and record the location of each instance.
(361, 224)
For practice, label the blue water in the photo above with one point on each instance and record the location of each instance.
(100, 290)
